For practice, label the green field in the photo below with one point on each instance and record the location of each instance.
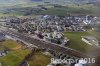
(10, 44)
(2, 48)
(39, 59)
(10, 14)
(96, 34)
(64, 11)
(73, 10)
(14, 57)
(76, 42)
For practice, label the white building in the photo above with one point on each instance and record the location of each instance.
(50, 65)
(90, 40)
(2, 22)
(81, 63)
(78, 64)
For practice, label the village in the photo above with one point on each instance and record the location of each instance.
(50, 29)
(49, 33)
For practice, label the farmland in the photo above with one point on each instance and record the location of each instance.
(14, 57)
(76, 42)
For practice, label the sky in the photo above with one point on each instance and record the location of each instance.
(8, 1)
(14, 1)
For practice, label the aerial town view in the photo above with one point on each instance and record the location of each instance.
(49, 32)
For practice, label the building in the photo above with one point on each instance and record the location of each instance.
(78, 64)
(81, 63)
(90, 40)
(2, 37)
(49, 65)
(2, 21)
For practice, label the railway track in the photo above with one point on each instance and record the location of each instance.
(45, 45)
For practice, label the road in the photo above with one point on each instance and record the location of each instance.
(45, 45)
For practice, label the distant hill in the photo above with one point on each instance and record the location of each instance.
(62, 2)
(55, 1)
(96, 3)
(72, 1)
(37, 0)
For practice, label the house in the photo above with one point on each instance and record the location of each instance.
(88, 19)
(55, 37)
(2, 21)
(3, 53)
(2, 37)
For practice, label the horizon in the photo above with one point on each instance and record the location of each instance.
(29, 1)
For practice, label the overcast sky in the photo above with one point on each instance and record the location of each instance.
(14, 1)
